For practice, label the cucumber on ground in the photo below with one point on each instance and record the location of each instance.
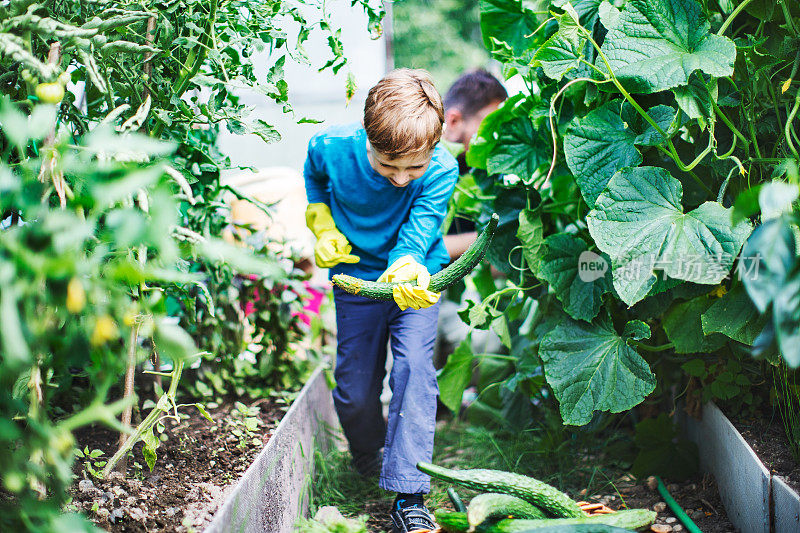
(451, 522)
(631, 519)
(578, 528)
(546, 497)
(456, 500)
(378, 290)
(494, 505)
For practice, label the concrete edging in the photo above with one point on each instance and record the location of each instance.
(273, 492)
(756, 501)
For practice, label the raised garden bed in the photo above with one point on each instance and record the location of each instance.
(208, 478)
(273, 492)
(197, 465)
(757, 500)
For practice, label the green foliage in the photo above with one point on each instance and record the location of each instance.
(455, 375)
(67, 303)
(112, 215)
(662, 451)
(651, 139)
(655, 45)
(591, 368)
(441, 36)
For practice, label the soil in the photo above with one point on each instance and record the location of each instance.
(197, 465)
(698, 497)
(768, 440)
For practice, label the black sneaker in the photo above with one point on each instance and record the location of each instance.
(368, 464)
(410, 516)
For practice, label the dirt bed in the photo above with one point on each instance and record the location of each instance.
(768, 440)
(196, 467)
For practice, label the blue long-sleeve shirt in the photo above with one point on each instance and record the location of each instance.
(381, 221)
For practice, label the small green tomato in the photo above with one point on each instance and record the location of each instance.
(50, 93)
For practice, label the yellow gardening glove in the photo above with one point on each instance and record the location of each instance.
(332, 246)
(406, 295)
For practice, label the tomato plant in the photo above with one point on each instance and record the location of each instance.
(111, 214)
(649, 169)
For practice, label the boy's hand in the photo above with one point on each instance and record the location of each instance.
(406, 295)
(332, 247)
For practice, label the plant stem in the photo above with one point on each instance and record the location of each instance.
(788, 17)
(97, 412)
(733, 15)
(752, 131)
(553, 130)
(730, 125)
(163, 405)
(648, 348)
(128, 391)
(788, 128)
(193, 62)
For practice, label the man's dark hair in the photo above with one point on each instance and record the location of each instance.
(473, 91)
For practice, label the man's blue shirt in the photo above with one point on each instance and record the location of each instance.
(381, 221)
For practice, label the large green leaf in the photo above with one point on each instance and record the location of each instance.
(564, 50)
(487, 137)
(455, 375)
(566, 267)
(508, 21)
(786, 315)
(657, 44)
(591, 368)
(735, 316)
(521, 149)
(767, 260)
(682, 324)
(604, 141)
(639, 222)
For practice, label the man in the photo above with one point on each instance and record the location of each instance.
(472, 96)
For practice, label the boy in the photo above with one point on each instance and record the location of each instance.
(380, 191)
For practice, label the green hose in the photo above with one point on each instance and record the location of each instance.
(680, 514)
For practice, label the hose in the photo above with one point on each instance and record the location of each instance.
(679, 513)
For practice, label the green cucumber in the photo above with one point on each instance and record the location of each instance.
(378, 290)
(628, 519)
(456, 500)
(493, 505)
(546, 497)
(578, 528)
(451, 522)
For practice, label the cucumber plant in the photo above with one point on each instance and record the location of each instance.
(648, 168)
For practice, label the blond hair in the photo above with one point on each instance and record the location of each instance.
(403, 113)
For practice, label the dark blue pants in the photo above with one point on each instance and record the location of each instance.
(364, 327)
